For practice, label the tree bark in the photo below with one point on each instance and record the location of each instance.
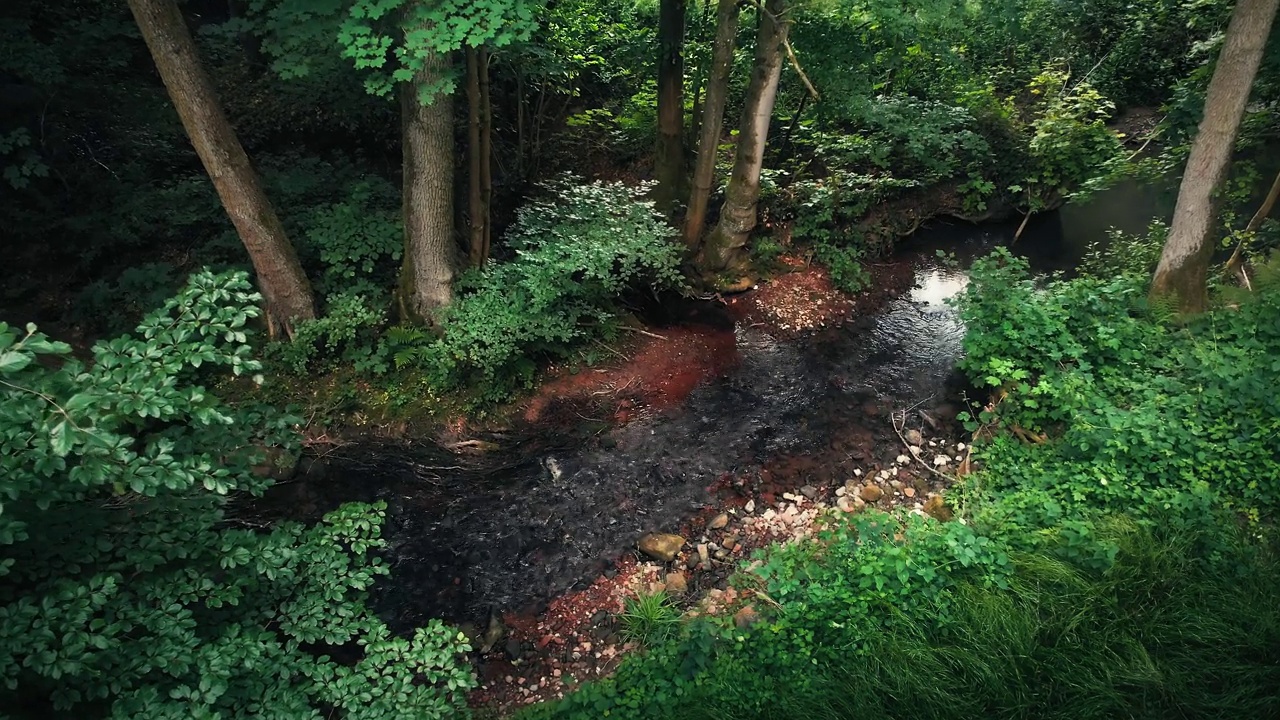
(486, 152)
(724, 246)
(426, 276)
(285, 289)
(475, 195)
(669, 160)
(1184, 262)
(704, 172)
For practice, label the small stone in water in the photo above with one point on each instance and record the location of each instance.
(809, 491)
(941, 460)
(750, 506)
(718, 521)
(913, 437)
(960, 447)
(857, 472)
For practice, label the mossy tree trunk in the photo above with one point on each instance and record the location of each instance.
(284, 286)
(1184, 262)
(704, 172)
(725, 245)
(669, 158)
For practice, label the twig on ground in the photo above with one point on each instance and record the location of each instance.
(893, 420)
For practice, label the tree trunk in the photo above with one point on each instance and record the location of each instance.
(704, 172)
(724, 246)
(486, 152)
(1185, 260)
(426, 276)
(475, 195)
(669, 161)
(285, 289)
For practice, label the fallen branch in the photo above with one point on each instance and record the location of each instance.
(893, 420)
(643, 332)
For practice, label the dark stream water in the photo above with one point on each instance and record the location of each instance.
(547, 512)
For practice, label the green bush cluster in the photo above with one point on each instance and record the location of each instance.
(129, 589)
(1140, 408)
(578, 251)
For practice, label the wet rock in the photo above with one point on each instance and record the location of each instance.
(903, 460)
(704, 554)
(871, 493)
(841, 491)
(937, 508)
(913, 437)
(909, 491)
(492, 634)
(661, 546)
(857, 472)
(750, 507)
(941, 460)
(810, 492)
(896, 484)
(676, 584)
(514, 648)
(746, 617)
(718, 522)
(847, 504)
(915, 450)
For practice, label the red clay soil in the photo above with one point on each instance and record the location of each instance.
(657, 370)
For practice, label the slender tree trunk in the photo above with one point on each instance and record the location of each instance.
(1235, 265)
(486, 152)
(723, 248)
(1184, 263)
(669, 161)
(475, 195)
(285, 289)
(426, 276)
(704, 172)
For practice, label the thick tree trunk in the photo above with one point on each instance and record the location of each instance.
(426, 276)
(724, 246)
(1185, 260)
(704, 172)
(475, 195)
(669, 160)
(285, 289)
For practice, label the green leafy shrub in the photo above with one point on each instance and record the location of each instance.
(127, 589)
(349, 331)
(1070, 144)
(845, 265)
(576, 253)
(1087, 364)
(115, 306)
(359, 240)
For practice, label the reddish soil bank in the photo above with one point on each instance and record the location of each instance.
(655, 370)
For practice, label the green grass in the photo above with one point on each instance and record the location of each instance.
(649, 618)
(1162, 634)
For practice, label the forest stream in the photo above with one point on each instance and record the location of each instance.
(546, 512)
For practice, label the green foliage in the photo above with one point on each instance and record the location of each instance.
(128, 590)
(113, 306)
(891, 616)
(347, 332)
(649, 618)
(576, 253)
(1070, 141)
(1087, 363)
(359, 240)
(845, 265)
